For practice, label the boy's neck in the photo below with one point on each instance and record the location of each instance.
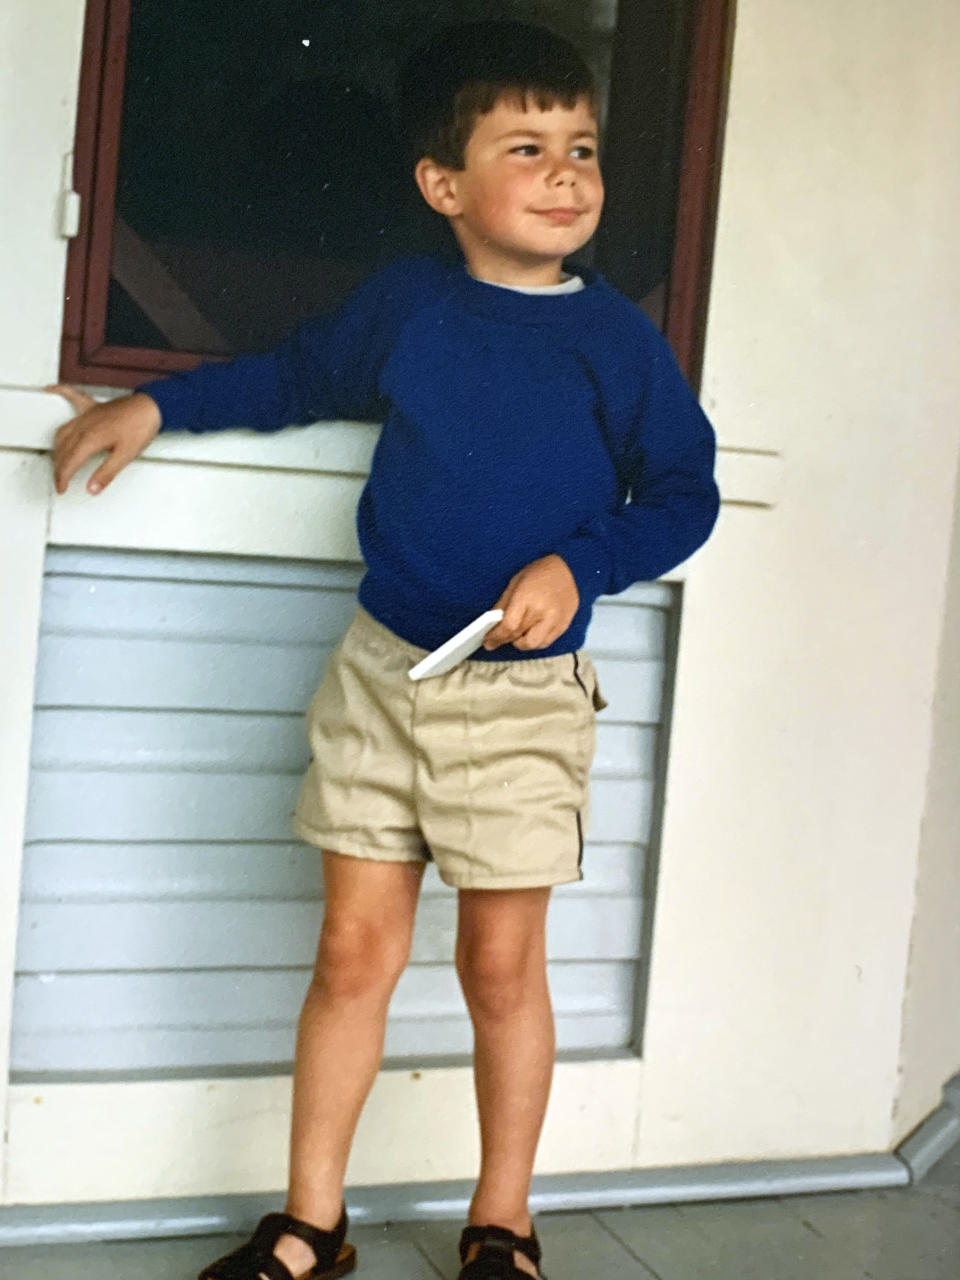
(492, 268)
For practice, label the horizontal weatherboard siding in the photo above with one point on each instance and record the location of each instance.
(169, 919)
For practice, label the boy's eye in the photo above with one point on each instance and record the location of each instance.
(582, 152)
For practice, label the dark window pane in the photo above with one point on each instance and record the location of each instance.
(259, 175)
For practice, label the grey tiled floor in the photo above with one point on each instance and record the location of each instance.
(903, 1234)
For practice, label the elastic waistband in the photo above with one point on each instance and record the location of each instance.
(368, 625)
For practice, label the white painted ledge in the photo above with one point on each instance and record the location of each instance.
(29, 420)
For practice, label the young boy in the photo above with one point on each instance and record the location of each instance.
(539, 448)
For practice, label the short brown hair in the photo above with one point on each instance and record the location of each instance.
(466, 69)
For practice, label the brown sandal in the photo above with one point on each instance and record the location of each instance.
(494, 1260)
(334, 1257)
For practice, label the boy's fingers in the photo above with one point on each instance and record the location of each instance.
(75, 451)
(518, 619)
(78, 399)
(62, 441)
(538, 637)
(507, 592)
(70, 434)
(497, 636)
(514, 622)
(501, 631)
(115, 463)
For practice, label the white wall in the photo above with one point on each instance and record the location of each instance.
(39, 66)
(930, 1043)
(787, 892)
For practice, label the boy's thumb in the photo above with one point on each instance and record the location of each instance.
(507, 593)
(79, 400)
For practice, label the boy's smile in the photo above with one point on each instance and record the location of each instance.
(530, 192)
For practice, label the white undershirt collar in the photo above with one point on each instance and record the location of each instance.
(568, 284)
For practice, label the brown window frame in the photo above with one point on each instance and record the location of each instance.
(87, 358)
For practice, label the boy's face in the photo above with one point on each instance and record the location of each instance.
(530, 192)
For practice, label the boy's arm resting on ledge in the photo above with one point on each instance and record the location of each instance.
(667, 468)
(327, 368)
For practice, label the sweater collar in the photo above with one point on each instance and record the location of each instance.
(496, 303)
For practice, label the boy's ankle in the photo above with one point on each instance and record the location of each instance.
(324, 1215)
(520, 1223)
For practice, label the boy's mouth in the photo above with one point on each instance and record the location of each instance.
(561, 216)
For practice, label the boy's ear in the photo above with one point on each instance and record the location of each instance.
(438, 186)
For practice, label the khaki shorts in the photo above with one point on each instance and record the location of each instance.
(483, 770)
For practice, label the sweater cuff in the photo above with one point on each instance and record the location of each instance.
(586, 558)
(166, 395)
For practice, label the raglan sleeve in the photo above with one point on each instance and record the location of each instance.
(665, 459)
(327, 367)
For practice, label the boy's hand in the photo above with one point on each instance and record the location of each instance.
(538, 606)
(123, 428)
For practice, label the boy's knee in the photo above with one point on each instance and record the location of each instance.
(497, 981)
(356, 958)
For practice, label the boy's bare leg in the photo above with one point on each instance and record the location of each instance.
(502, 965)
(368, 919)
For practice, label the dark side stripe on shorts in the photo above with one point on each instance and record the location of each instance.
(576, 675)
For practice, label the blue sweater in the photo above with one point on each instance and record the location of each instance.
(514, 425)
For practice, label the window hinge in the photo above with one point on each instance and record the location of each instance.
(69, 201)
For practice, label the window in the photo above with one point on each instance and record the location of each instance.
(238, 169)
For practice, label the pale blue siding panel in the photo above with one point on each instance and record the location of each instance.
(207, 998)
(70, 871)
(169, 919)
(106, 672)
(100, 671)
(89, 563)
(166, 740)
(112, 805)
(623, 630)
(198, 611)
(156, 1049)
(238, 742)
(227, 933)
(240, 1018)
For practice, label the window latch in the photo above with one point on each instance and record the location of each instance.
(69, 211)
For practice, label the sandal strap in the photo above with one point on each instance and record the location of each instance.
(325, 1244)
(257, 1254)
(500, 1240)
